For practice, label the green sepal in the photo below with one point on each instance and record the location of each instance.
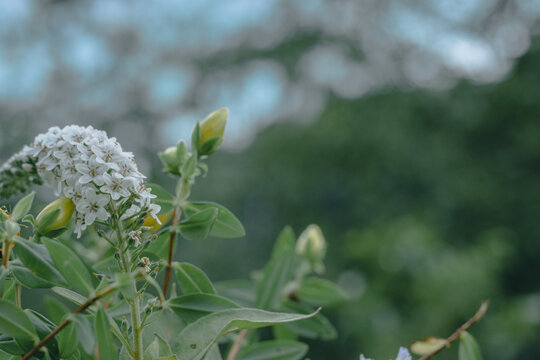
(210, 146)
(195, 136)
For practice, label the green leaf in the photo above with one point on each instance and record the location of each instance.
(468, 347)
(3, 276)
(197, 338)
(315, 327)
(159, 247)
(36, 258)
(320, 292)
(23, 206)
(226, 225)
(198, 225)
(278, 272)
(85, 333)
(28, 278)
(15, 323)
(213, 353)
(240, 291)
(192, 279)
(69, 294)
(70, 266)
(9, 345)
(9, 292)
(194, 306)
(274, 350)
(163, 199)
(158, 349)
(107, 350)
(43, 327)
(67, 338)
(281, 332)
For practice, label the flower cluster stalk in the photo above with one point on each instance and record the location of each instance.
(134, 304)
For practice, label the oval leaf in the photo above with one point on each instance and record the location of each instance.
(15, 323)
(198, 225)
(105, 343)
(428, 345)
(468, 347)
(70, 266)
(23, 206)
(193, 280)
(320, 292)
(36, 258)
(27, 277)
(197, 338)
(315, 327)
(226, 225)
(194, 306)
(274, 350)
(278, 271)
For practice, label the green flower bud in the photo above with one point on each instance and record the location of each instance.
(170, 161)
(311, 245)
(55, 216)
(211, 131)
(12, 228)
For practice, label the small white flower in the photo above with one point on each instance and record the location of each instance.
(403, 354)
(92, 206)
(364, 358)
(87, 167)
(92, 172)
(116, 185)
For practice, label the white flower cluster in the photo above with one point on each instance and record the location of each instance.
(89, 168)
(403, 354)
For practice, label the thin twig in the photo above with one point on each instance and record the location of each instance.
(479, 314)
(172, 239)
(65, 323)
(237, 344)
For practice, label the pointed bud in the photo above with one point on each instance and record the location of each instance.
(55, 216)
(312, 246)
(212, 129)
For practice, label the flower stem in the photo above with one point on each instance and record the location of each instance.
(134, 304)
(177, 213)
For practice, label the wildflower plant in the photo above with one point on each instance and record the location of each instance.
(106, 248)
(105, 252)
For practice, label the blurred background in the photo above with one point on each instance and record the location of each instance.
(408, 130)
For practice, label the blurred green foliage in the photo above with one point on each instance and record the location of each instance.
(429, 201)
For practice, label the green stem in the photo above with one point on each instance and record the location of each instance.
(134, 303)
(177, 214)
